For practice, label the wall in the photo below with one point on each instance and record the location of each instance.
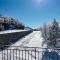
(9, 38)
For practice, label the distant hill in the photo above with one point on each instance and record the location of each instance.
(28, 28)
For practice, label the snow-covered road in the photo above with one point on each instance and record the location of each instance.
(32, 40)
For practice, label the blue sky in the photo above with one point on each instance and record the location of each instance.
(32, 13)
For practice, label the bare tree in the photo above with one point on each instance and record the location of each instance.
(44, 33)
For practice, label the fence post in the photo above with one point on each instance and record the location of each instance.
(35, 53)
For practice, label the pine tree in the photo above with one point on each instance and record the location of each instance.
(53, 33)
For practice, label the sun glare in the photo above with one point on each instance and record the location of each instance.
(40, 2)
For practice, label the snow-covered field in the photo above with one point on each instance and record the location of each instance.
(32, 40)
(11, 31)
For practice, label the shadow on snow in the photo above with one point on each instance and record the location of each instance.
(50, 56)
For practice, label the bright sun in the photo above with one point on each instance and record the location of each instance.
(40, 2)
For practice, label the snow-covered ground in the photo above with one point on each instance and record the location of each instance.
(32, 40)
(11, 31)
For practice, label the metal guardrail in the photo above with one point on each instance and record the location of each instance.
(29, 53)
